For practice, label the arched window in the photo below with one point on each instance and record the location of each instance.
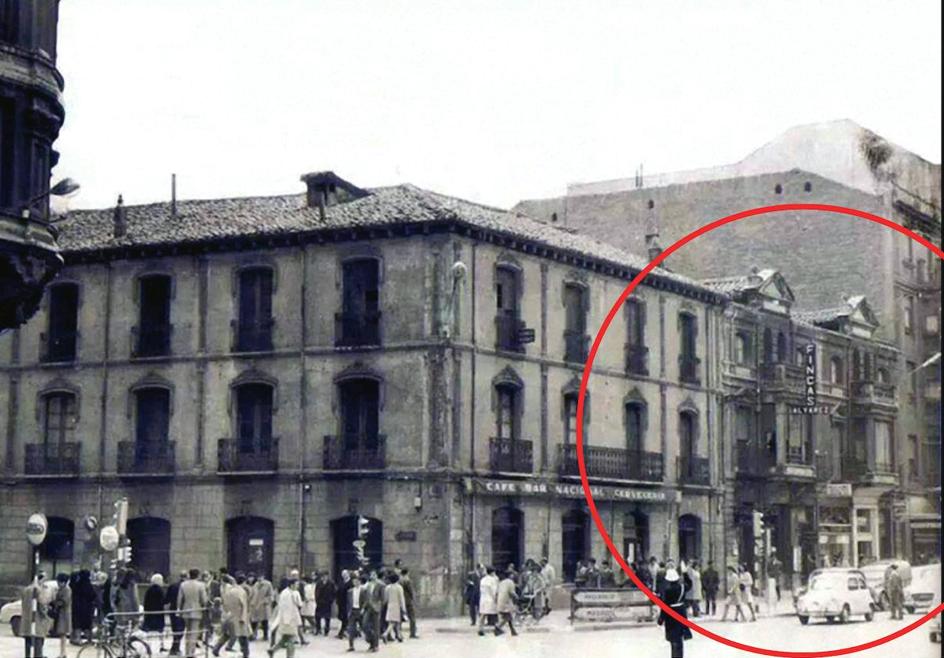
(59, 419)
(635, 427)
(250, 541)
(768, 346)
(688, 437)
(347, 555)
(507, 537)
(55, 553)
(782, 349)
(575, 535)
(570, 419)
(506, 411)
(835, 370)
(882, 375)
(742, 348)
(689, 527)
(150, 546)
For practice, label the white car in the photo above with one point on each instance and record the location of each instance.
(10, 614)
(924, 592)
(835, 596)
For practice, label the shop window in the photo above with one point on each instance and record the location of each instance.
(635, 536)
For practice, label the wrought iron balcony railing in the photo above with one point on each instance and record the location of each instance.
(52, 459)
(357, 329)
(59, 346)
(613, 463)
(355, 453)
(146, 458)
(694, 470)
(243, 456)
(153, 340)
(576, 346)
(637, 359)
(510, 455)
(688, 369)
(254, 336)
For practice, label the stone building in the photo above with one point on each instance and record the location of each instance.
(31, 114)
(825, 257)
(256, 374)
(810, 474)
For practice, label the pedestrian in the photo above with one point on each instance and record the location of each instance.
(308, 587)
(710, 583)
(549, 575)
(774, 570)
(35, 622)
(325, 592)
(582, 575)
(83, 606)
(126, 605)
(154, 608)
(289, 618)
(372, 607)
(660, 576)
(341, 599)
(235, 625)
(673, 595)
(733, 583)
(894, 588)
(61, 613)
(260, 606)
(694, 594)
(488, 600)
(354, 607)
(410, 597)
(747, 590)
(507, 604)
(191, 601)
(470, 596)
(537, 590)
(106, 604)
(177, 623)
(395, 605)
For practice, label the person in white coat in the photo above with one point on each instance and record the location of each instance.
(488, 600)
(289, 619)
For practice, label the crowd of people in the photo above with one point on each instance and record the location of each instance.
(217, 610)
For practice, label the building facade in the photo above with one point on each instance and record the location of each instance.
(825, 257)
(256, 374)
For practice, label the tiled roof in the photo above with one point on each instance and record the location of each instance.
(205, 221)
(824, 314)
(741, 283)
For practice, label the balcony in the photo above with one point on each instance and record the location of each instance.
(576, 347)
(507, 326)
(879, 473)
(798, 464)
(688, 369)
(146, 459)
(235, 456)
(753, 460)
(825, 471)
(782, 376)
(510, 455)
(355, 453)
(693, 470)
(254, 336)
(152, 341)
(52, 460)
(637, 359)
(612, 463)
(59, 347)
(868, 392)
(357, 329)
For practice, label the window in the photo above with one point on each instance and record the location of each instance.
(799, 355)
(835, 370)
(575, 329)
(56, 552)
(637, 353)
(742, 348)
(807, 186)
(856, 365)
(688, 423)
(908, 317)
(507, 323)
(768, 346)
(635, 426)
(883, 447)
(799, 438)
(359, 321)
(570, 420)
(912, 369)
(63, 322)
(254, 417)
(778, 188)
(688, 361)
(506, 421)
(920, 270)
(931, 325)
(782, 349)
(154, 315)
(912, 455)
(152, 424)
(254, 332)
(882, 376)
(360, 415)
(59, 417)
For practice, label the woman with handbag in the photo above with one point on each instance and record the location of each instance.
(673, 595)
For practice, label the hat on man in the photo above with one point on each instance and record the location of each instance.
(671, 576)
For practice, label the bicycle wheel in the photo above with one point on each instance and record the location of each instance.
(94, 650)
(138, 648)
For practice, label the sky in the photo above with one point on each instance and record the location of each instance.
(493, 101)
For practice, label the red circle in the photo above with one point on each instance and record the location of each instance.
(601, 528)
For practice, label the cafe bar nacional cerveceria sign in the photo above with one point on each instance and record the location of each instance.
(562, 490)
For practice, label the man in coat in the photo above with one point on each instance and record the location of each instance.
(35, 624)
(192, 599)
(710, 582)
(673, 594)
(371, 608)
(488, 600)
(341, 598)
(260, 606)
(506, 601)
(407, 583)
(354, 606)
(895, 590)
(325, 593)
(235, 618)
(177, 625)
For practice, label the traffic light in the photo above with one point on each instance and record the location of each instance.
(362, 524)
(758, 523)
(121, 516)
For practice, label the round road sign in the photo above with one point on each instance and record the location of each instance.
(36, 529)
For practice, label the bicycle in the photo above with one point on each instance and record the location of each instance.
(116, 641)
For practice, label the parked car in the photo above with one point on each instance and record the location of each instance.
(925, 589)
(11, 614)
(875, 577)
(800, 591)
(835, 595)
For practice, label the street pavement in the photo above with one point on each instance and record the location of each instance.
(555, 637)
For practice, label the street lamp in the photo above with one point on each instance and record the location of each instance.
(64, 187)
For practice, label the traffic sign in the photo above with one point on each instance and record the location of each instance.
(36, 527)
(108, 538)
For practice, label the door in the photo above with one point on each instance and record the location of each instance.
(150, 546)
(254, 417)
(152, 422)
(634, 429)
(360, 411)
(574, 535)
(344, 534)
(635, 536)
(507, 537)
(689, 527)
(250, 542)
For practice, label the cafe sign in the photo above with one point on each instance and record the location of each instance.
(564, 490)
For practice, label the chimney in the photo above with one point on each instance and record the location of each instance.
(653, 248)
(325, 189)
(120, 218)
(173, 195)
